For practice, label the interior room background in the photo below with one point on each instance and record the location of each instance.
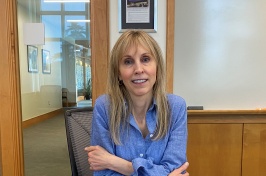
(41, 93)
(219, 56)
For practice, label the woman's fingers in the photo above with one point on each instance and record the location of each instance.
(184, 167)
(180, 170)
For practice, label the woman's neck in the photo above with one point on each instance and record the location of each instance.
(139, 109)
(140, 106)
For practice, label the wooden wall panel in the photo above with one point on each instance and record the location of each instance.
(254, 150)
(170, 31)
(214, 149)
(99, 46)
(11, 148)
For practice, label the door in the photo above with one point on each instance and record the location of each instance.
(11, 150)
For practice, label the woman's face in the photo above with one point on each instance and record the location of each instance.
(137, 70)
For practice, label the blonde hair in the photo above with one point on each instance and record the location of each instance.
(119, 110)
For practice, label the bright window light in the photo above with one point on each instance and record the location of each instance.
(78, 21)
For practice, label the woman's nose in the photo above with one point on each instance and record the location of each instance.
(138, 68)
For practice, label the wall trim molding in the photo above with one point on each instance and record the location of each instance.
(226, 116)
(40, 118)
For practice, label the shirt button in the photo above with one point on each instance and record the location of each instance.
(151, 135)
(141, 155)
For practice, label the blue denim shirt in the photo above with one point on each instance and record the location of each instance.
(148, 157)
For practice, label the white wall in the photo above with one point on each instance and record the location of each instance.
(159, 36)
(220, 53)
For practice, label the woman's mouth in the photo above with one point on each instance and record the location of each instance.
(139, 81)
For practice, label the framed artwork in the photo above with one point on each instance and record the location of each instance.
(46, 62)
(32, 54)
(137, 14)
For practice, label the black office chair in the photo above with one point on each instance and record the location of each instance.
(78, 126)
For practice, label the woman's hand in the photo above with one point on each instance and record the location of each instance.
(98, 158)
(178, 171)
(101, 159)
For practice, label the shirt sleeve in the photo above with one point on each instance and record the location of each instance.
(100, 134)
(175, 152)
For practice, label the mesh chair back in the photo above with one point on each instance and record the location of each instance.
(78, 126)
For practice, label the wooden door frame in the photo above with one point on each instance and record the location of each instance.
(11, 144)
(99, 46)
(170, 37)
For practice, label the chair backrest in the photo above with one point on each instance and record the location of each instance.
(78, 127)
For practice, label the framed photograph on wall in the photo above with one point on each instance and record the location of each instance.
(32, 54)
(46, 62)
(137, 14)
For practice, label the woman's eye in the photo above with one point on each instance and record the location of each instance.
(145, 59)
(128, 61)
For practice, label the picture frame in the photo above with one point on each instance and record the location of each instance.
(32, 57)
(46, 62)
(137, 14)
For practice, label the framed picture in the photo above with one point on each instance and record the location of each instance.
(32, 54)
(46, 62)
(137, 14)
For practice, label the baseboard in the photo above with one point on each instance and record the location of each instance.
(69, 104)
(38, 119)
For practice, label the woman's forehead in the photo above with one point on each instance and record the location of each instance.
(134, 46)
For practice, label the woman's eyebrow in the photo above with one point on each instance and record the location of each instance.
(126, 55)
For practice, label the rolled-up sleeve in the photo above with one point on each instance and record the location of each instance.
(100, 134)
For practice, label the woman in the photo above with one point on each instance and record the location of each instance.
(138, 129)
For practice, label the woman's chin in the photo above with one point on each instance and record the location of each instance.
(141, 93)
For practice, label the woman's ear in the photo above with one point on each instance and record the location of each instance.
(120, 81)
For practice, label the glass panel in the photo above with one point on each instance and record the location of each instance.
(55, 50)
(80, 74)
(67, 52)
(75, 6)
(83, 68)
(52, 25)
(88, 78)
(76, 30)
(50, 6)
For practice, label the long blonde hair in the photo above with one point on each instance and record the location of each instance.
(119, 110)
